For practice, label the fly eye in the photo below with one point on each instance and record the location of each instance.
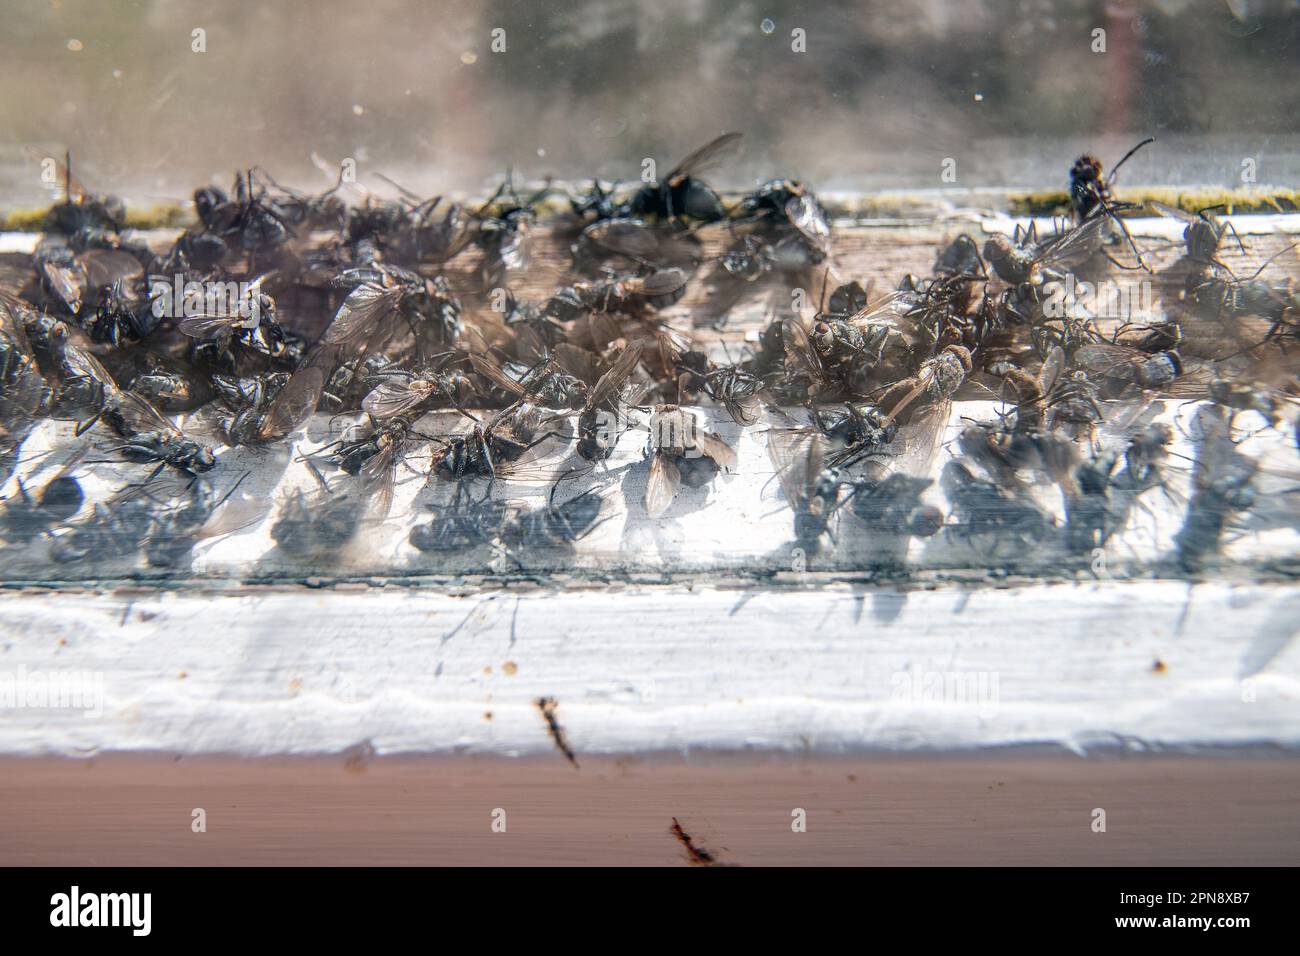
(822, 335)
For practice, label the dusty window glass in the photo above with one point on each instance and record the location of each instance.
(930, 290)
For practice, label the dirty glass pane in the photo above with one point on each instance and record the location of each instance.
(405, 291)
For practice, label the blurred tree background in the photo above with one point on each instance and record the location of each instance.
(882, 93)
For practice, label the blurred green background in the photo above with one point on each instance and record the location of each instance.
(1010, 89)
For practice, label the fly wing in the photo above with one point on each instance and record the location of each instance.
(1077, 245)
(743, 409)
(495, 374)
(722, 454)
(921, 438)
(1217, 459)
(378, 476)
(799, 352)
(1053, 365)
(628, 237)
(205, 326)
(578, 362)
(103, 267)
(805, 214)
(1104, 358)
(705, 156)
(1194, 383)
(1171, 212)
(295, 403)
(78, 363)
(391, 398)
(360, 311)
(67, 283)
(895, 304)
(662, 282)
(797, 455)
(613, 379)
(141, 416)
(12, 309)
(661, 485)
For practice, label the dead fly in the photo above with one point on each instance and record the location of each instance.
(1276, 301)
(1222, 481)
(1089, 513)
(787, 210)
(314, 525)
(246, 400)
(601, 421)
(372, 456)
(1090, 190)
(410, 230)
(983, 508)
(552, 526)
(247, 320)
(655, 290)
(681, 454)
(462, 525)
(811, 489)
(816, 367)
(855, 352)
(1118, 368)
(190, 516)
(147, 435)
(24, 393)
(71, 280)
(933, 385)
(1098, 499)
(303, 210)
(122, 316)
(857, 429)
(81, 211)
(504, 227)
(382, 296)
(1165, 335)
(1023, 259)
(410, 394)
(247, 224)
(751, 258)
(28, 515)
(679, 195)
(1005, 451)
(889, 503)
(1051, 399)
(736, 389)
(466, 456)
(960, 259)
(748, 259)
(1144, 459)
(1033, 391)
(116, 528)
(922, 401)
(597, 203)
(497, 450)
(767, 364)
(1203, 234)
(546, 384)
(623, 245)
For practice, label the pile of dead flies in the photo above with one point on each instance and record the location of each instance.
(276, 305)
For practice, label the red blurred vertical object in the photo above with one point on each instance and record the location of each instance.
(1121, 67)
